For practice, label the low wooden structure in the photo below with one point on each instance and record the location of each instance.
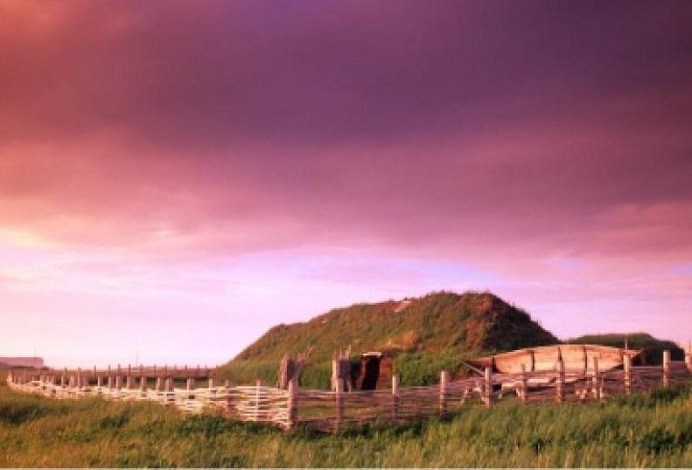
(333, 410)
(373, 371)
(289, 369)
(545, 358)
(166, 371)
(342, 372)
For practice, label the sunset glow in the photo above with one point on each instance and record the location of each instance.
(178, 176)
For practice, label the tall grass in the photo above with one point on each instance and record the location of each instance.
(639, 431)
(315, 376)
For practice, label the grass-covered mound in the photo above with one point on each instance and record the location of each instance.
(634, 432)
(433, 323)
(424, 335)
(653, 347)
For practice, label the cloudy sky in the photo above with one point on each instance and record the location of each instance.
(176, 177)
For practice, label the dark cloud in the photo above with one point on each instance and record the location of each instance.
(218, 73)
(414, 122)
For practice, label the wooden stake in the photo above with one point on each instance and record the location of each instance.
(335, 371)
(560, 386)
(524, 385)
(627, 377)
(444, 387)
(229, 399)
(666, 368)
(339, 401)
(257, 399)
(395, 397)
(596, 380)
(292, 402)
(688, 357)
(487, 386)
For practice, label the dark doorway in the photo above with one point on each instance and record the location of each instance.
(372, 372)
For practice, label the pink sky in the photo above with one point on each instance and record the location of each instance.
(177, 177)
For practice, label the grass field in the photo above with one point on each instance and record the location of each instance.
(635, 432)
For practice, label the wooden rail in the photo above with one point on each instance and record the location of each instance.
(175, 371)
(330, 411)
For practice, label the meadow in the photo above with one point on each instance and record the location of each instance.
(637, 431)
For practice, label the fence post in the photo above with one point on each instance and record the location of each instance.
(524, 384)
(688, 357)
(335, 371)
(666, 368)
(227, 385)
(292, 402)
(560, 386)
(444, 386)
(339, 401)
(627, 377)
(487, 386)
(257, 399)
(395, 397)
(596, 379)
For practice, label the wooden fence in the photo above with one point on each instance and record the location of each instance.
(330, 411)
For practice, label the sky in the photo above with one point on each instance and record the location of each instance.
(178, 176)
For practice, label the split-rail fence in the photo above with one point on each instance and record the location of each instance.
(333, 410)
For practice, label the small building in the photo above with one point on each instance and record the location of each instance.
(27, 362)
(374, 370)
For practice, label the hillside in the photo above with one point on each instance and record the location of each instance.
(431, 324)
(653, 347)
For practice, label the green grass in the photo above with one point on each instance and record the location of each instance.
(653, 347)
(636, 431)
(433, 323)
